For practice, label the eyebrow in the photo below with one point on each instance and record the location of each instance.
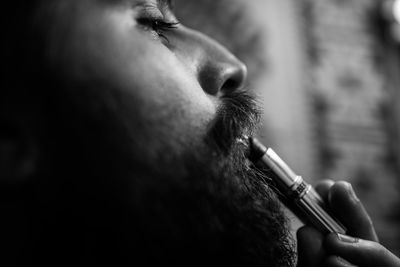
(162, 4)
(165, 4)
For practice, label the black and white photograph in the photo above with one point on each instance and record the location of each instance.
(191, 133)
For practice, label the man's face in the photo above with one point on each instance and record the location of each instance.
(172, 76)
(149, 113)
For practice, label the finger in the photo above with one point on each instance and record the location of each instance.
(360, 252)
(323, 188)
(310, 247)
(336, 261)
(350, 211)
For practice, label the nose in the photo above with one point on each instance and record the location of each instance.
(218, 70)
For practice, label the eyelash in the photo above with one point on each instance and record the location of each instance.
(159, 26)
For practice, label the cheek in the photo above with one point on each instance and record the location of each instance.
(164, 89)
(159, 94)
(165, 94)
(168, 95)
(163, 82)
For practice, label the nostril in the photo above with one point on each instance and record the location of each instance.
(231, 85)
(217, 79)
(222, 76)
(236, 79)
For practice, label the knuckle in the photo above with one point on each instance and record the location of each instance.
(325, 182)
(342, 183)
(374, 251)
(381, 251)
(343, 188)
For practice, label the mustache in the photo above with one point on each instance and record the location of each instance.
(238, 115)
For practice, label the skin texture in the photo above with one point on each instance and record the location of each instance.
(192, 70)
(359, 247)
(205, 16)
(130, 130)
(119, 145)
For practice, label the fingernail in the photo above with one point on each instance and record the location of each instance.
(346, 238)
(351, 192)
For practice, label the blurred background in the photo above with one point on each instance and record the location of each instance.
(327, 73)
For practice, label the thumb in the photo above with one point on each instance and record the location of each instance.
(360, 252)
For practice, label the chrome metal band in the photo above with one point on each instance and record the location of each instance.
(299, 188)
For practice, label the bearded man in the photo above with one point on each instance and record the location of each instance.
(119, 146)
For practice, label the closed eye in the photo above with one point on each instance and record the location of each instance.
(159, 26)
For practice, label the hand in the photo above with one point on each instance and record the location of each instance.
(359, 247)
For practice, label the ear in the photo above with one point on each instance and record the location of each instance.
(18, 154)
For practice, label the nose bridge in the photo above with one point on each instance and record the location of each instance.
(217, 69)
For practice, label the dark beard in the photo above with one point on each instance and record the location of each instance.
(238, 217)
(205, 207)
(220, 212)
(237, 116)
(254, 215)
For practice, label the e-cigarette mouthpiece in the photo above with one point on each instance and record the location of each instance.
(298, 196)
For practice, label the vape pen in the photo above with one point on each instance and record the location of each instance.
(296, 194)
